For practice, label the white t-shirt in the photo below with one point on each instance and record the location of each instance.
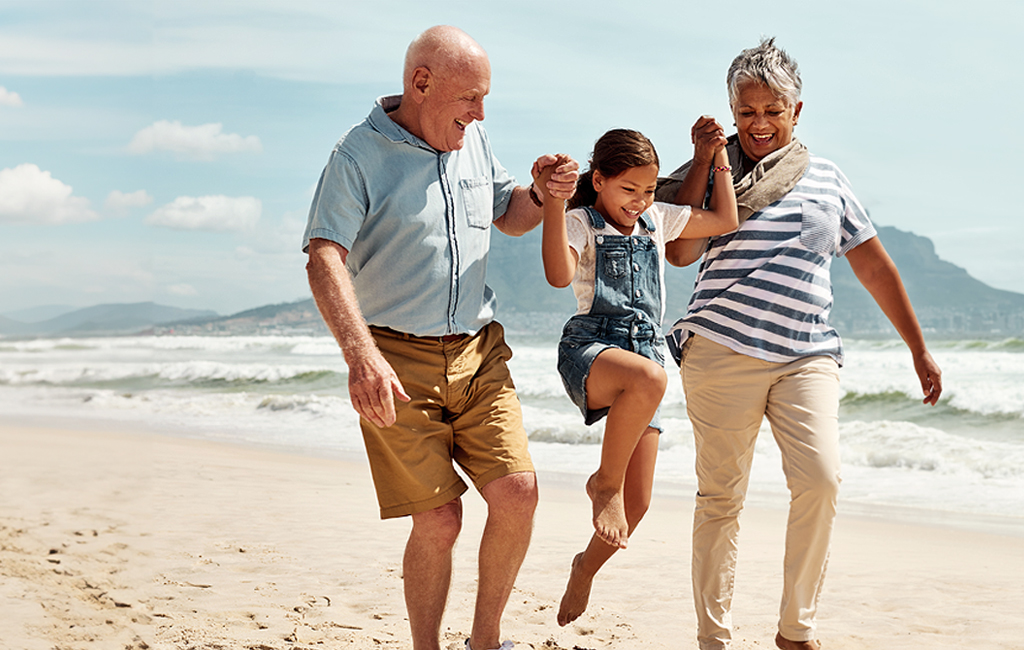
(669, 221)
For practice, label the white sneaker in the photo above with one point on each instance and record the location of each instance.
(506, 645)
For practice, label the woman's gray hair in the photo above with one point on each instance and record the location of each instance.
(769, 65)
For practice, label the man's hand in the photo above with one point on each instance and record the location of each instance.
(372, 383)
(373, 386)
(562, 184)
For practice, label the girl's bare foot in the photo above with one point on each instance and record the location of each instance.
(609, 513)
(577, 593)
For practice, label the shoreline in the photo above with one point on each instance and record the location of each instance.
(136, 540)
(670, 488)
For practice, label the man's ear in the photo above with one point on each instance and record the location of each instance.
(422, 83)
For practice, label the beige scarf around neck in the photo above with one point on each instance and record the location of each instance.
(771, 178)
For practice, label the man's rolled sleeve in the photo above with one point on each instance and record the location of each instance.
(339, 205)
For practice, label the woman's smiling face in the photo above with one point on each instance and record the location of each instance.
(764, 121)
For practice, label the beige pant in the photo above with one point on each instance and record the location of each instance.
(727, 395)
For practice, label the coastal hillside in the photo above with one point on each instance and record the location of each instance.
(103, 319)
(947, 299)
(949, 302)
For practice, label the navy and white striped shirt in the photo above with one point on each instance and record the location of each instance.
(765, 290)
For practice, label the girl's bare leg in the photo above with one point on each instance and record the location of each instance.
(637, 497)
(631, 386)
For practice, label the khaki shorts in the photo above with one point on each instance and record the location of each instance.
(464, 409)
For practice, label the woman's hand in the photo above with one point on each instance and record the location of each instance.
(708, 137)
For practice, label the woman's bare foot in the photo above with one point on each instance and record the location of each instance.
(786, 644)
(609, 513)
(577, 593)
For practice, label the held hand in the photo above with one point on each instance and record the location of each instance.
(564, 173)
(372, 387)
(708, 137)
(930, 376)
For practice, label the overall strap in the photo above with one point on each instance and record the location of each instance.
(647, 222)
(596, 220)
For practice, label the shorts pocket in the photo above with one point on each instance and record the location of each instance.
(819, 228)
(478, 199)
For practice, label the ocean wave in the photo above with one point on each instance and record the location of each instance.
(908, 446)
(201, 374)
(1011, 345)
(299, 344)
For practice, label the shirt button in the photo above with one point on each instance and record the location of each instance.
(636, 267)
(639, 293)
(600, 239)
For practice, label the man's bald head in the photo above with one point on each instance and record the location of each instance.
(447, 76)
(443, 50)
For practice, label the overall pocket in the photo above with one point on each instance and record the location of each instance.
(615, 263)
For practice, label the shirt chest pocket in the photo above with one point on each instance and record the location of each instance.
(819, 228)
(478, 201)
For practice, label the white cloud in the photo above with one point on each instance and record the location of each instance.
(202, 142)
(31, 195)
(119, 202)
(182, 290)
(209, 213)
(9, 98)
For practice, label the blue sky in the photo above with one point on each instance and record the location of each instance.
(168, 150)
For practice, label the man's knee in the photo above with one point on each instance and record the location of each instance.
(439, 527)
(512, 494)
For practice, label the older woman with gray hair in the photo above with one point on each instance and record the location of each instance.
(756, 342)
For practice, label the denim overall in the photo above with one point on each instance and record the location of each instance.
(626, 312)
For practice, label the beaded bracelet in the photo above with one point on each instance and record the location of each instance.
(533, 197)
(722, 168)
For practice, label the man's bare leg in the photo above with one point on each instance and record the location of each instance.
(427, 571)
(511, 501)
(637, 492)
(786, 644)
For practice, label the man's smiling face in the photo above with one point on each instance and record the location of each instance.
(455, 100)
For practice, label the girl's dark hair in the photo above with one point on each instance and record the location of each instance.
(614, 152)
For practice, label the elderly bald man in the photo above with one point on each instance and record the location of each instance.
(398, 237)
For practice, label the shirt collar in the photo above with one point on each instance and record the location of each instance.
(382, 122)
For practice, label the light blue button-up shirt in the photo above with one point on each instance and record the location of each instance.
(416, 223)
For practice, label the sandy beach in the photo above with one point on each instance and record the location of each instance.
(133, 540)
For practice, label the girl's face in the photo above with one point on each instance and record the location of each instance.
(622, 199)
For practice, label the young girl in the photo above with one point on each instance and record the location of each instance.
(610, 247)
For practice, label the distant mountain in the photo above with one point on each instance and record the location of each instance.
(104, 320)
(10, 327)
(299, 317)
(946, 298)
(948, 301)
(37, 314)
